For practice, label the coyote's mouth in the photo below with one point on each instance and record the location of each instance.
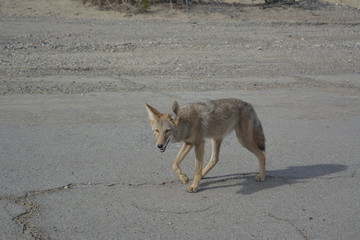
(163, 147)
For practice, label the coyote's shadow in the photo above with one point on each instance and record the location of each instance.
(275, 178)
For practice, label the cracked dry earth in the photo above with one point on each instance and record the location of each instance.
(78, 159)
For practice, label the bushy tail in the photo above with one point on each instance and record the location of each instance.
(258, 134)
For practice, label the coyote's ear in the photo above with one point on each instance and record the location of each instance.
(153, 113)
(174, 110)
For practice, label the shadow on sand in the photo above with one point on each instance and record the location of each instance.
(275, 178)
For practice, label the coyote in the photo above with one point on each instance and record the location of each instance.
(213, 119)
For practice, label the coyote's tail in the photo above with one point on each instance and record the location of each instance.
(258, 133)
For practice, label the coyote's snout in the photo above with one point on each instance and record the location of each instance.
(162, 146)
(213, 119)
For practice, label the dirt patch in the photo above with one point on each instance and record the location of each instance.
(350, 3)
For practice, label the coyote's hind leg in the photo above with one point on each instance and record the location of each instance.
(245, 137)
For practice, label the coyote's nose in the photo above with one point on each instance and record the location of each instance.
(160, 146)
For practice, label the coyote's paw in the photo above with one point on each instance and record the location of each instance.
(260, 178)
(184, 179)
(191, 189)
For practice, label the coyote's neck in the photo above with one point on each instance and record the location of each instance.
(187, 123)
(182, 131)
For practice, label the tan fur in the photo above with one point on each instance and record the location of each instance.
(213, 119)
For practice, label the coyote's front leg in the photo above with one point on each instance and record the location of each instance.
(199, 154)
(186, 147)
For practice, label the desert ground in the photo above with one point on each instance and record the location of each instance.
(78, 158)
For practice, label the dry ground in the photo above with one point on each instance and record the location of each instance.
(77, 156)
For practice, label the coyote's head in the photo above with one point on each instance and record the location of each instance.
(164, 125)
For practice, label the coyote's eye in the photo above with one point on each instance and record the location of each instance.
(156, 130)
(167, 130)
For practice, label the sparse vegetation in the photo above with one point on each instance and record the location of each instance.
(120, 5)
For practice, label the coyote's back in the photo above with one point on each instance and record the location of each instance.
(219, 117)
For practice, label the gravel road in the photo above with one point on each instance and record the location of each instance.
(38, 53)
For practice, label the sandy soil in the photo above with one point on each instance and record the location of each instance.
(351, 3)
